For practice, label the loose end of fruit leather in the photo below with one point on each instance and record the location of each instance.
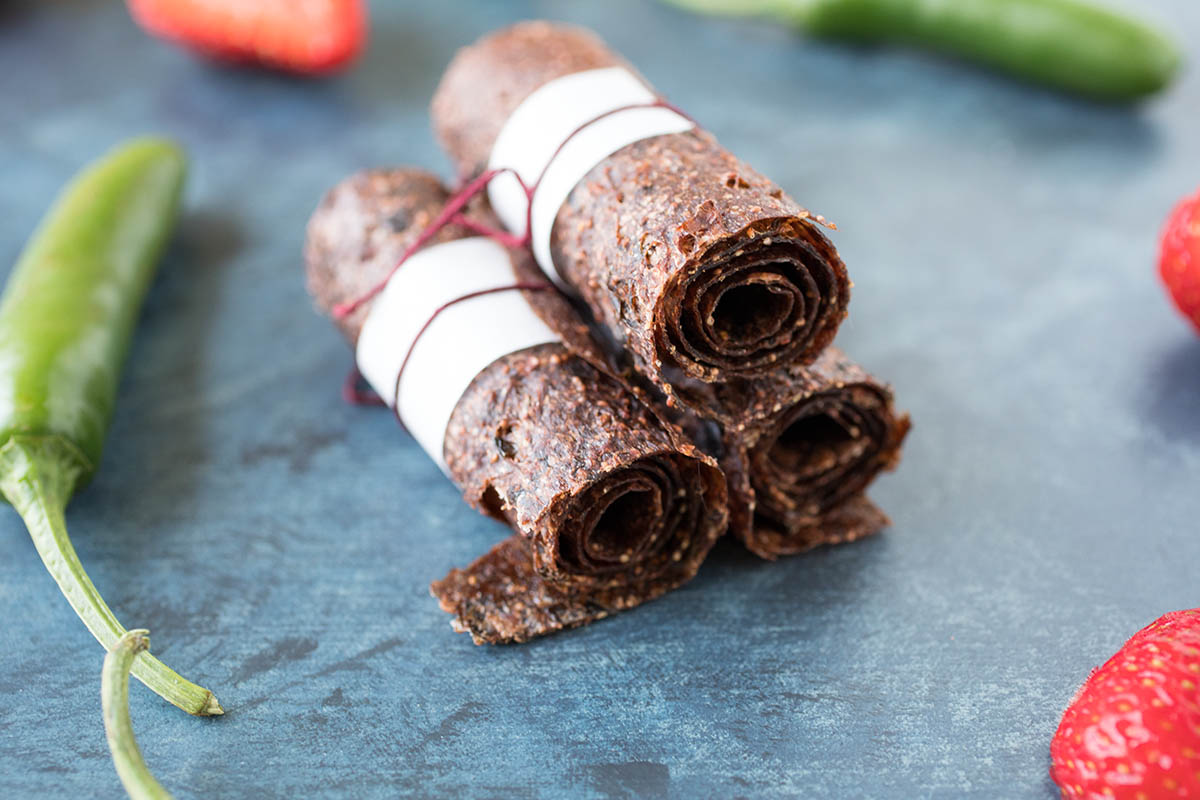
(685, 255)
(856, 518)
(501, 599)
(612, 507)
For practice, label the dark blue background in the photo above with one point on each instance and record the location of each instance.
(279, 544)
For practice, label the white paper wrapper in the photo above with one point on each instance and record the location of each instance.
(459, 343)
(544, 121)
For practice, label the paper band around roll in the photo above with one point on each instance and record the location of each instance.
(574, 113)
(463, 340)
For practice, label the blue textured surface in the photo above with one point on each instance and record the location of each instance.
(279, 544)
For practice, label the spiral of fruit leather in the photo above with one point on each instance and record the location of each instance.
(799, 448)
(611, 505)
(687, 257)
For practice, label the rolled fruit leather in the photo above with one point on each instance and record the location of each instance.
(799, 449)
(610, 505)
(697, 265)
(799, 446)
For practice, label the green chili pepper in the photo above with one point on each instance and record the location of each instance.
(118, 728)
(1068, 44)
(66, 318)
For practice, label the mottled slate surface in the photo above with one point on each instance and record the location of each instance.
(279, 543)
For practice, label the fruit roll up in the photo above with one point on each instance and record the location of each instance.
(799, 449)
(610, 504)
(684, 255)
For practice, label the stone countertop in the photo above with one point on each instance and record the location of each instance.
(279, 544)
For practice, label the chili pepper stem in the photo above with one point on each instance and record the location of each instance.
(118, 729)
(37, 475)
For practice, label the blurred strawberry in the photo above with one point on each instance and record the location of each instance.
(1179, 259)
(309, 37)
(1133, 730)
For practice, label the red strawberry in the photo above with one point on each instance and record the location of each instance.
(1133, 730)
(1179, 261)
(304, 36)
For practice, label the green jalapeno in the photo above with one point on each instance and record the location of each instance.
(66, 319)
(1069, 44)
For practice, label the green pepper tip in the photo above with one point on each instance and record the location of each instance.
(212, 708)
